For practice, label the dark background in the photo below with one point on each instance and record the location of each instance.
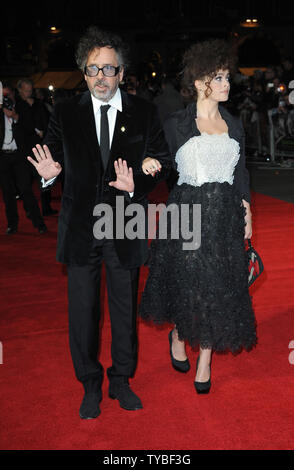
(157, 31)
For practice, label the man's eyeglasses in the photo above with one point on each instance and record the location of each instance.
(107, 70)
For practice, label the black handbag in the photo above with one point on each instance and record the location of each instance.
(255, 264)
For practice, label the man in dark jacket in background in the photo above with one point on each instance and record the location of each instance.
(14, 169)
(37, 118)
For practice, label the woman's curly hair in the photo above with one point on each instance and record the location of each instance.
(95, 37)
(204, 59)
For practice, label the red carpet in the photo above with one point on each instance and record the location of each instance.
(250, 405)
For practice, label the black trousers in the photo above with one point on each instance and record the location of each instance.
(14, 172)
(84, 314)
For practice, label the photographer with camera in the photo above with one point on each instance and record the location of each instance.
(14, 170)
(37, 119)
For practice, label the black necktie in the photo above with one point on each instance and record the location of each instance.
(104, 135)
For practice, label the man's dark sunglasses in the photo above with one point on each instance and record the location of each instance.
(107, 70)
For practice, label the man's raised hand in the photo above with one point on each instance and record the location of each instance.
(124, 175)
(45, 165)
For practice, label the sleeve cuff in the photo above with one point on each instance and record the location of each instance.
(48, 182)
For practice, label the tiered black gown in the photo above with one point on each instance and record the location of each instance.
(204, 291)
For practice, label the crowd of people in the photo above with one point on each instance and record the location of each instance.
(262, 101)
(257, 99)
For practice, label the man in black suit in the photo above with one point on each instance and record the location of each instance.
(14, 169)
(100, 139)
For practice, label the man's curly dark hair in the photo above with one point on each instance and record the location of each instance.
(95, 37)
(205, 59)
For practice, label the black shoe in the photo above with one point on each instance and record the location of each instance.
(180, 366)
(126, 397)
(202, 387)
(93, 395)
(11, 230)
(90, 406)
(42, 229)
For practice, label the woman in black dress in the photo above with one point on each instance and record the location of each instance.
(204, 291)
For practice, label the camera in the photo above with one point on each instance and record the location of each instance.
(8, 103)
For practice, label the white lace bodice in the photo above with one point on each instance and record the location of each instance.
(207, 158)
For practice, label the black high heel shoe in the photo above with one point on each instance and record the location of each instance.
(202, 387)
(180, 366)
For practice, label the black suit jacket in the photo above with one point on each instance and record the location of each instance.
(32, 117)
(72, 140)
(181, 126)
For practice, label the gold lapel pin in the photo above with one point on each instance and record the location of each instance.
(123, 129)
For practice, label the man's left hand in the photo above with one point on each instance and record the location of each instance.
(124, 175)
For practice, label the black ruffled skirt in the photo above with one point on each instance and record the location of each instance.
(203, 291)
